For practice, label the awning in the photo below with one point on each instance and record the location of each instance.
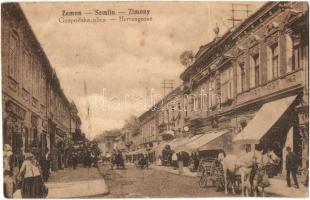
(202, 142)
(264, 119)
(179, 144)
(189, 140)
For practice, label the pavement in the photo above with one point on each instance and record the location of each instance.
(277, 186)
(133, 182)
(69, 183)
(186, 171)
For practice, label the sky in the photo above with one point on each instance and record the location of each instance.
(114, 68)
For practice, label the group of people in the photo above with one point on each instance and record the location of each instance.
(143, 161)
(28, 175)
(117, 159)
(87, 155)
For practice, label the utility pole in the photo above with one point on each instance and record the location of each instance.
(239, 8)
(167, 85)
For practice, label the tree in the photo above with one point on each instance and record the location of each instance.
(132, 124)
(187, 58)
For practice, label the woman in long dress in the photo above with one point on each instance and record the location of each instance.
(7, 171)
(32, 179)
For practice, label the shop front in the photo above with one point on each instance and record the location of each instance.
(13, 130)
(274, 127)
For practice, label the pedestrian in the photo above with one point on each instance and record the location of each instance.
(196, 161)
(8, 184)
(147, 161)
(74, 159)
(8, 181)
(174, 160)
(291, 167)
(306, 184)
(46, 165)
(33, 186)
(7, 157)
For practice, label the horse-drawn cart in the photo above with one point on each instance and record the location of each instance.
(211, 173)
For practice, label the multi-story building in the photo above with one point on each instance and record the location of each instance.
(36, 112)
(172, 114)
(148, 128)
(248, 87)
(254, 80)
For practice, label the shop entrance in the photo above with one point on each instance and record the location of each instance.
(283, 133)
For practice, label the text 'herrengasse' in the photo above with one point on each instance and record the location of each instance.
(130, 11)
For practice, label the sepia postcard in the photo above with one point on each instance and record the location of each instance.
(155, 99)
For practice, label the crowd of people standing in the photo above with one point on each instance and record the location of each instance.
(117, 159)
(28, 173)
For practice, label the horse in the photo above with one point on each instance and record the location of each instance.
(242, 165)
(262, 163)
(232, 165)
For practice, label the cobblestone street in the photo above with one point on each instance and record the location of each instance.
(134, 182)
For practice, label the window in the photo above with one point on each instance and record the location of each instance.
(212, 96)
(185, 103)
(26, 70)
(197, 100)
(163, 117)
(241, 77)
(227, 84)
(275, 60)
(297, 55)
(43, 88)
(256, 68)
(204, 98)
(35, 79)
(13, 56)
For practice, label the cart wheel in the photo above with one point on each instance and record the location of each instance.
(203, 181)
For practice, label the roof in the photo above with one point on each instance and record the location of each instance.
(211, 47)
(161, 102)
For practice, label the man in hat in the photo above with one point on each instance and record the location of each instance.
(291, 167)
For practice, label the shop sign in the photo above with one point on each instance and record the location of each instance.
(13, 126)
(15, 110)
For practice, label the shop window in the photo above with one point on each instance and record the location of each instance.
(34, 137)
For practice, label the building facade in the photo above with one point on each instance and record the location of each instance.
(262, 60)
(251, 82)
(36, 112)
